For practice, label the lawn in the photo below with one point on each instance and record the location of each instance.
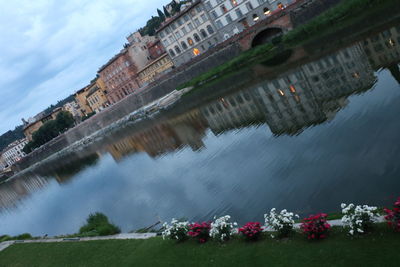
(380, 248)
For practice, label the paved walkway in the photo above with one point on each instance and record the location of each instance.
(6, 244)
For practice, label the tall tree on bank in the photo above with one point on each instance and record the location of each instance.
(166, 12)
(160, 14)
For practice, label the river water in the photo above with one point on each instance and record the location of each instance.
(307, 135)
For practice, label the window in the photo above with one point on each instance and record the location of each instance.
(184, 45)
(208, 5)
(239, 13)
(196, 37)
(178, 34)
(177, 49)
(190, 41)
(223, 9)
(234, 3)
(184, 31)
(162, 34)
(255, 17)
(198, 9)
(210, 29)
(260, 2)
(196, 52)
(197, 22)
(203, 17)
(168, 30)
(203, 33)
(280, 5)
(173, 26)
(228, 18)
(172, 53)
(180, 22)
(171, 39)
(186, 18)
(249, 6)
(214, 15)
(219, 24)
(267, 11)
(190, 25)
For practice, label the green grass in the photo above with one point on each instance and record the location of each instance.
(379, 248)
(343, 15)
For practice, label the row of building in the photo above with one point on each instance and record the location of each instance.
(199, 26)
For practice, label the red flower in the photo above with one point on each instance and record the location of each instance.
(316, 226)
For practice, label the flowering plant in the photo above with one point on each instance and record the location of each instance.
(222, 229)
(251, 230)
(316, 226)
(281, 222)
(176, 230)
(200, 231)
(393, 216)
(358, 218)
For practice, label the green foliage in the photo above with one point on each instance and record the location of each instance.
(98, 224)
(88, 116)
(151, 26)
(160, 14)
(24, 236)
(49, 130)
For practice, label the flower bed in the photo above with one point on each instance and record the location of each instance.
(222, 229)
(316, 226)
(176, 230)
(200, 231)
(393, 216)
(281, 222)
(359, 219)
(251, 230)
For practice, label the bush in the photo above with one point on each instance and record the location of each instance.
(281, 222)
(393, 216)
(251, 230)
(316, 226)
(177, 230)
(222, 229)
(24, 236)
(98, 224)
(200, 231)
(359, 219)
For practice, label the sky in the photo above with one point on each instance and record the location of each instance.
(50, 48)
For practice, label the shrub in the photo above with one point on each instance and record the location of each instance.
(176, 230)
(359, 219)
(23, 236)
(251, 230)
(201, 231)
(222, 229)
(393, 216)
(98, 224)
(281, 222)
(316, 226)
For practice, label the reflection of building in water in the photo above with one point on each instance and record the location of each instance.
(296, 99)
(164, 137)
(288, 103)
(15, 190)
(231, 112)
(383, 50)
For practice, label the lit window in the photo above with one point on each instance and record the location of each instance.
(224, 9)
(255, 17)
(267, 11)
(280, 6)
(234, 2)
(292, 89)
(190, 41)
(281, 92)
(196, 52)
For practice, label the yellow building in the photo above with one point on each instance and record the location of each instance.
(80, 98)
(152, 70)
(31, 127)
(96, 95)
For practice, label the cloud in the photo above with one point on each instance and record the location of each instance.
(54, 48)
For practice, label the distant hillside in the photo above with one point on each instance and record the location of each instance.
(11, 136)
(59, 104)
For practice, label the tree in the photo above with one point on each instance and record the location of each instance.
(160, 14)
(166, 12)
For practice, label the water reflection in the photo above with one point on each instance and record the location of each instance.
(287, 103)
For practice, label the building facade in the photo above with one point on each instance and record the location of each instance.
(80, 98)
(73, 108)
(120, 76)
(138, 49)
(33, 126)
(154, 69)
(189, 33)
(233, 16)
(13, 152)
(97, 95)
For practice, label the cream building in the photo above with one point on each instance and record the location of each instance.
(138, 49)
(233, 16)
(189, 33)
(13, 152)
(154, 69)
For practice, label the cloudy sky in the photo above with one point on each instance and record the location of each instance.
(51, 48)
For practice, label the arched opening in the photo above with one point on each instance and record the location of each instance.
(266, 36)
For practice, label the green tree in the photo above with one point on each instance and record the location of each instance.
(166, 12)
(160, 14)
